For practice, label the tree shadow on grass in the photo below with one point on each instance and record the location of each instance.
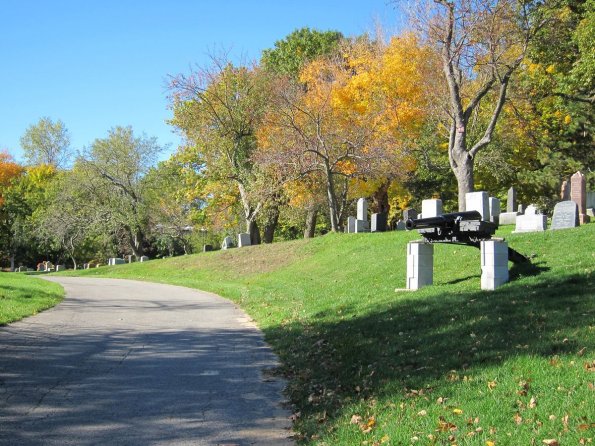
(421, 338)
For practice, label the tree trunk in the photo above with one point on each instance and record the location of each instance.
(73, 261)
(332, 200)
(12, 263)
(380, 202)
(311, 222)
(252, 229)
(271, 223)
(136, 238)
(462, 166)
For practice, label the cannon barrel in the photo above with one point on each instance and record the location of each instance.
(442, 221)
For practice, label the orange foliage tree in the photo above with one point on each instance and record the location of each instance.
(352, 115)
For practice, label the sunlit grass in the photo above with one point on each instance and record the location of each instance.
(22, 295)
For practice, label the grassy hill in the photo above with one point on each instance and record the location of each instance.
(370, 364)
(22, 295)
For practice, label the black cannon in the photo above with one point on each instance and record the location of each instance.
(465, 228)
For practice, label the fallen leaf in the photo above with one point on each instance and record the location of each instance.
(457, 411)
(492, 385)
(532, 403)
(355, 419)
(385, 439)
(565, 422)
(490, 443)
(422, 413)
(517, 418)
(582, 351)
(551, 442)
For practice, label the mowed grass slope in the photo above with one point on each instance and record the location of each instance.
(445, 365)
(22, 295)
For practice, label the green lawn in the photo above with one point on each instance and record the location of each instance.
(22, 295)
(446, 365)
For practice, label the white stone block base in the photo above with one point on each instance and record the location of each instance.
(507, 218)
(420, 265)
(494, 264)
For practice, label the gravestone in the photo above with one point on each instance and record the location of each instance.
(531, 221)
(565, 215)
(511, 205)
(60, 268)
(478, 201)
(86, 265)
(578, 194)
(521, 209)
(591, 199)
(144, 259)
(227, 243)
(378, 222)
(361, 223)
(565, 191)
(431, 208)
(118, 261)
(243, 240)
(351, 224)
(409, 214)
(129, 258)
(22, 269)
(98, 265)
(400, 226)
(362, 209)
(494, 205)
(207, 248)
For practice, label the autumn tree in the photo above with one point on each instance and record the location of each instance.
(47, 142)
(481, 43)
(218, 109)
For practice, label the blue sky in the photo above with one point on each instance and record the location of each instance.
(99, 64)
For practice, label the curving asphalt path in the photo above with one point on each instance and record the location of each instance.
(120, 362)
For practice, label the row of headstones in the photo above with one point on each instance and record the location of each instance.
(243, 241)
(45, 267)
(118, 261)
(378, 221)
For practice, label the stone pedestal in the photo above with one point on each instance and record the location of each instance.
(362, 226)
(420, 264)
(494, 264)
(431, 208)
(507, 218)
(478, 201)
(244, 240)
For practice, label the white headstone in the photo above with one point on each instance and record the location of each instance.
(118, 261)
(530, 222)
(494, 210)
(478, 201)
(243, 239)
(144, 258)
(431, 208)
(565, 215)
(351, 224)
(507, 218)
(227, 243)
(362, 209)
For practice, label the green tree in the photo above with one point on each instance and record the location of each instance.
(111, 177)
(47, 142)
(303, 45)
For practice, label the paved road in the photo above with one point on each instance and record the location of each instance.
(132, 363)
